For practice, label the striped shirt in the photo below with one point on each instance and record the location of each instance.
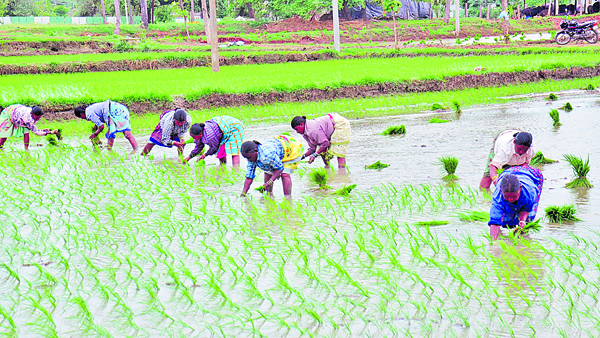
(170, 129)
(211, 136)
(269, 158)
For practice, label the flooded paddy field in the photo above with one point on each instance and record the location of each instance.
(115, 245)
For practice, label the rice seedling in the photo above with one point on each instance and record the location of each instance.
(540, 159)
(59, 134)
(345, 191)
(567, 107)
(431, 223)
(474, 216)
(590, 87)
(395, 130)
(555, 117)
(261, 189)
(96, 140)
(437, 120)
(449, 164)
(51, 138)
(533, 226)
(580, 169)
(552, 97)
(437, 106)
(319, 177)
(456, 105)
(377, 165)
(559, 214)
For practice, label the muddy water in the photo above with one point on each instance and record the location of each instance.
(119, 235)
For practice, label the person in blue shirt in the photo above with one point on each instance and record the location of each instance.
(277, 157)
(516, 198)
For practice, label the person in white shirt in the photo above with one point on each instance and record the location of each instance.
(512, 147)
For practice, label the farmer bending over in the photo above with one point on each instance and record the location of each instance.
(511, 148)
(18, 120)
(115, 115)
(516, 198)
(331, 133)
(170, 130)
(223, 135)
(278, 157)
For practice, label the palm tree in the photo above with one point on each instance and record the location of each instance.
(118, 17)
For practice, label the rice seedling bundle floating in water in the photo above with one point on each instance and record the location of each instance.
(395, 130)
(580, 169)
(377, 165)
(319, 177)
(437, 106)
(456, 106)
(561, 214)
(436, 120)
(345, 191)
(555, 117)
(474, 216)
(431, 223)
(552, 97)
(449, 164)
(590, 87)
(567, 107)
(540, 159)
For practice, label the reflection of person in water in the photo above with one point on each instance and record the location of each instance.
(516, 198)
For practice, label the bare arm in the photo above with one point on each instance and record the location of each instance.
(247, 184)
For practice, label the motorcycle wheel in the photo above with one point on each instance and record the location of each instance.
(591, 36)
(563, 38)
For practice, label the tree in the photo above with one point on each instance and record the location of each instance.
(3, 7)
(117, 17)
(178, 11)
(392, 6)
(61, 10)
(447, 11)
(144, 8)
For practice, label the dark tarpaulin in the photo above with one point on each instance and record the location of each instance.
(416, 10)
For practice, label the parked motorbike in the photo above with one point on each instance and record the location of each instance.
(573, 31)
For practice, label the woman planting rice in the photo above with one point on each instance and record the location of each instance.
(115, 115)
(18, 120)
(169, 131)
(278, 157)
(516, 198)
(223, 135)
(331, 133)
(511, 148)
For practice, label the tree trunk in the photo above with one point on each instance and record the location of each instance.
(103, 12)
(518, 11)
(395, 33)
(126, 15)
(152, 12)
(505, 20)
(466, 10)
(447, 11)
(118, 17)
(480, 12)
(214, 46)
(487, 16)
(192, 12)
(205, 18)
(144, 13)
(457, 18)
(250, 10)
(130, 12)
(555, 7)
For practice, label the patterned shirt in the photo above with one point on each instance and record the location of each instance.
(504, 151)
(269, 158)
(98, 113)
(170, 129)
(21, 117)
(503, 212)
(317, 132)
(211, 136)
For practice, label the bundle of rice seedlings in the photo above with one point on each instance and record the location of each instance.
(431, 223)
(437, 106)
(540, 159)
(52, 140)
(261, 189)
(59, 134)
(319, 177)
(590, 87)
(345, 191)
(561, 214)
(533, 226)
(436, 120)
(567, 107)
(96, 140)
(580, 169)
(474, 216)
(555, 117)
(449, 164)
(395, 130)
(552, 97)
(456, 106)
(377, 165)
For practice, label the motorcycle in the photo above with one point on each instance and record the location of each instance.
(573, 31)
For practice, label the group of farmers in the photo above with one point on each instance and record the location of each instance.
(517, 188)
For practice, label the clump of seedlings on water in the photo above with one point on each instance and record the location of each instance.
(437, 106)
(319, 177)
(540, 159)
(456, 106)
(54, 138)
(552, 97)
(449, 164)
(580, 169)
(474, 216)
(395, 130)
(559, 214)
(555, 117)
(437, 120)
(590, 87)
(345, 191)
(377, 165)
(567, 107)
(431, 223)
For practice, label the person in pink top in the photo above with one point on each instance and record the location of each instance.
(511, 148)
(18, 120)
(327, 136)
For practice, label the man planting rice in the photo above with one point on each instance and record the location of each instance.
(511, 148)
(223, 135)
(330, 133)
(170, 130)
(516, 198)
(18, 120)
(115, 115)
(277, 157)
